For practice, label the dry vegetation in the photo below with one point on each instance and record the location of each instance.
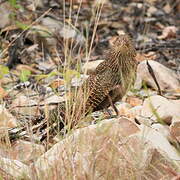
(43, 49)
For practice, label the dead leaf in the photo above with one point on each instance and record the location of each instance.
(3, 93)
(55, 84)
(167, 8)
(168, 32)
(134, 101)
(148, 56)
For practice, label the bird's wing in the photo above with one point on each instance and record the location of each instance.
(101, 67)
(99, 88)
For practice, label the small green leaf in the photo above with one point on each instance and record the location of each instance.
(14, 4)
(3, 71)
(22, 25)
(24, 76)
(69, 74)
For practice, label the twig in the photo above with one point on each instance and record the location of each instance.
(154, 77)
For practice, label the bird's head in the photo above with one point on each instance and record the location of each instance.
(122, 45)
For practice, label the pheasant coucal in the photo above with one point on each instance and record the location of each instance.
(107, 84)
(113, 77)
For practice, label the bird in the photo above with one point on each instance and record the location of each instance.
(109, 82)
(113, 77)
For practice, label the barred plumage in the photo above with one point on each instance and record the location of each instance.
(113, 77)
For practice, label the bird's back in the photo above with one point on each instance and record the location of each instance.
(113, 77)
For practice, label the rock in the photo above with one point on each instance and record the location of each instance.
(77, 81)
(160, 167)
(5, 11)
(144, 93)
(90, 66)
(175, 128)
(6, 118)
(26, 152)
(13, 169)
(123, 108)
(42, 35)
(65, 31)
(46, 66)
(28, 105)
(160, 142)
(158, 108)
(134, 112)
(164, 130)
(23, 151)
(52, 24)
(167, 79)
(85, 153)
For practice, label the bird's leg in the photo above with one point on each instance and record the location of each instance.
(113, 106)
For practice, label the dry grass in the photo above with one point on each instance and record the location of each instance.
(71, 115)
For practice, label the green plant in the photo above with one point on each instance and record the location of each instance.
(3, 71)
(14, 3)
(25, 74)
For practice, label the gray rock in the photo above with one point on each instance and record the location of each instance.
(5, 11)
(85, 154)
(89, 67)
(158, 108)
(167, 79)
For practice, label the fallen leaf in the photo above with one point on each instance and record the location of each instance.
(134, 101)
(55, 84)
(3, 93)
(167, 8)
(148, 56)
(169, 32)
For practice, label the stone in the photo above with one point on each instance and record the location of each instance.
(42, 34)
(90, 66)
(123, 108)
(134, 101)
(5, 11)
(21, 150)
(61, 29)
(53, 99)
(13, 169)
(158, 108)
(169, 32)
(175, 128)
(131, 152)
(84, 153)
(26, 152)
(135, 112)
(161, 167)
(33, 5)
(160, 142)
(167, 79)
(164, 130)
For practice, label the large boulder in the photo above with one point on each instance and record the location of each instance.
(167, 79)
(112, 149)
